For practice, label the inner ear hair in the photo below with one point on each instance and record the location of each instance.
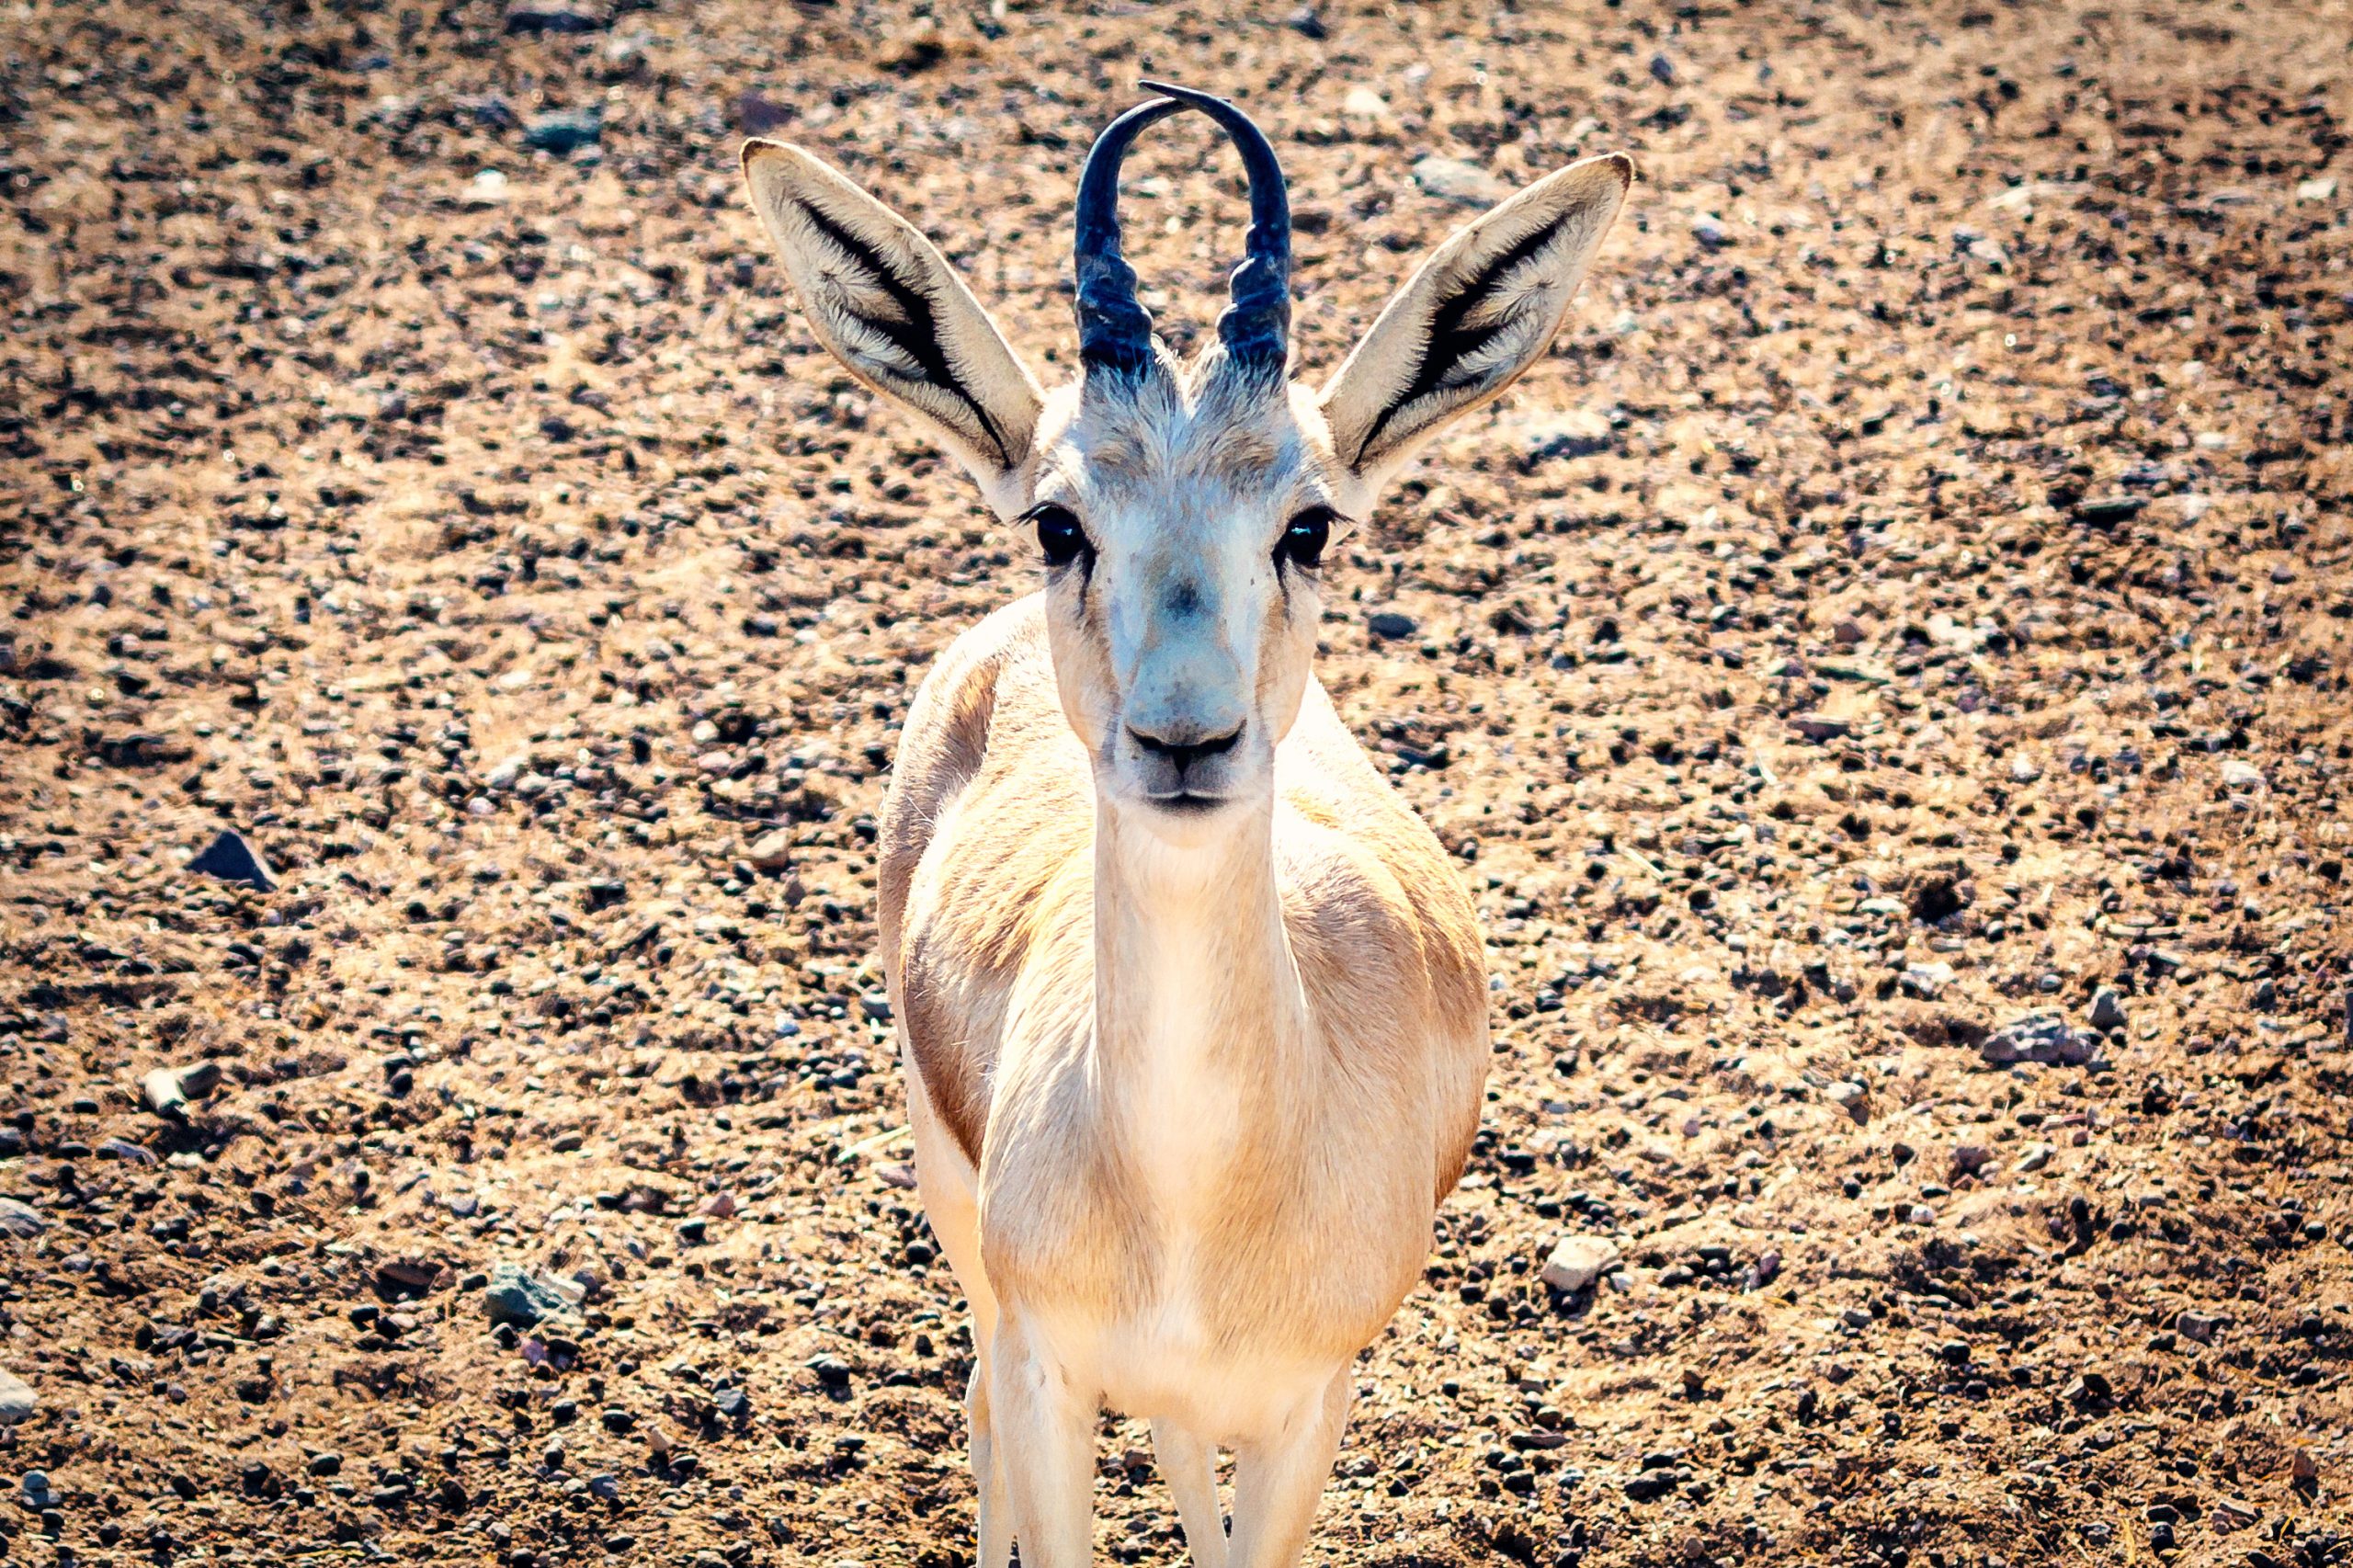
(888, 305)
(904, 345)
(1483, 309)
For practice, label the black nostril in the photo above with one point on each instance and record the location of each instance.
(1184, 754)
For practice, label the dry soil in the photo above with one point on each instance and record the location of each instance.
(1915, 595)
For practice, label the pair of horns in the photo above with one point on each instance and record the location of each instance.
(1114, 330)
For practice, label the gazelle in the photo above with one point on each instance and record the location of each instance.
(1192, 1006)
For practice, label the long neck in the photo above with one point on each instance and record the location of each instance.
(1191, 951)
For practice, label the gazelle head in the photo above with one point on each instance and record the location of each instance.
(1182, 509)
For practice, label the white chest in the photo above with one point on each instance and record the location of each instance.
(1183, 1119)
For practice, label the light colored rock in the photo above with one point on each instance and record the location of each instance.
(772, 851)
(18, 1401)
(1927, 980)
(1578, 1261)
(2020, 198)
(2239, 774)
(1852, 1098)
(21, 1220)
(2035, 1157)
(1465, 184)
(168, 1090)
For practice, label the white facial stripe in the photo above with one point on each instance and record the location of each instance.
(1189, 592)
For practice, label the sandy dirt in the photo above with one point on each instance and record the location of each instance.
(1915, 595)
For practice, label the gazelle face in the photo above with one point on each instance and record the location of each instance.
(1183, 522)
(1182, 511)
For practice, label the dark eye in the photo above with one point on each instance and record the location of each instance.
(1304, 540)
(1059, 534)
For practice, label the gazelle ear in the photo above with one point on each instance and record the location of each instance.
(1481, 309)
(891, 309)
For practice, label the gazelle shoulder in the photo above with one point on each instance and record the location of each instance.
(988, 678)
(1377, 917)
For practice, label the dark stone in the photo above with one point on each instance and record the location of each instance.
(232, 859)
(558, 16)
(513, 1297)
(2037, 1037)
(2109, 510)
(565, 129)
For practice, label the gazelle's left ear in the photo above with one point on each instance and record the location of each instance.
(894, 312)
(1479, 312)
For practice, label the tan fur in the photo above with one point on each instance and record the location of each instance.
(1386, 945)
(1194, 1007)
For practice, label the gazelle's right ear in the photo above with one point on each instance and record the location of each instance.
(1481, 309)
(892, 310)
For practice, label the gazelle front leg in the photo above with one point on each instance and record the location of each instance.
(1042, 1432)
(1278, 1479)
(1189, 1465)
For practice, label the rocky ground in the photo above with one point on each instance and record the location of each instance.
(1885, 677)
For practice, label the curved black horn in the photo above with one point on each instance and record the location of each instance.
(1257, 327)
(1114, 331)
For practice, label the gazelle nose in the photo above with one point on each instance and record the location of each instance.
(1186, 746)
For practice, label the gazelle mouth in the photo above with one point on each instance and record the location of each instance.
(1187, 800)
